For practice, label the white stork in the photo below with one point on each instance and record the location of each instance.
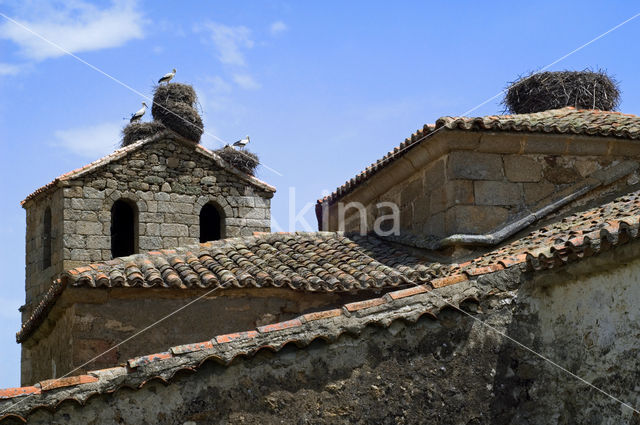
(242, 142)
(167, 77)
(138, 115)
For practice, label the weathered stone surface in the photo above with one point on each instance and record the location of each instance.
(475, 219)
(459, 192)
(497, 193)
(534, 192)
(474, 166)
(520, 168)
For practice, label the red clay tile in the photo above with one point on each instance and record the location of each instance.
(221, 339)
(189, 348)
(279, 326)
(310, 317)
(51, 384)
(360, 305)
(140, 361)
(420, 289)
(484, 270)
(17, 392)
(449, 280)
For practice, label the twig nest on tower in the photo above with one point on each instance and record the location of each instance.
(140, 130)
(173, 106)
(553, 90)
(242, 159)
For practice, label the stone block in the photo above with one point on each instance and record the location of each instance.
(87, 204)
(248, 212)
(90, 192)
(150, 243)
(208, 180)
(435, 225)
(152, 229)
(475, 219)
(73, 192)
(173, 162)
(411, 191)
(88, 228)
(175, 207)
(534, 192)
(434, 176)
(74, 241)
(519, 168)
(474, 166)
(263, 224)
(558, 174)
(459, 192)
(154, 180)
(80, 255)
(497, 193)
(161, 196)
(171, 229)
(98, 242)
(438, 201)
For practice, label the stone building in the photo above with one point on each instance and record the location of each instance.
(518, 242)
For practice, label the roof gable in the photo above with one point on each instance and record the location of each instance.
(569, 121)
(127, 150)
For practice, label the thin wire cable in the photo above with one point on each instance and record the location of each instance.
(116, 346)
(128, 87)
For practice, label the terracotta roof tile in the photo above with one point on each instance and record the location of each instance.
(557, 121)
(316, 262)
(302, 331)
(329, 262)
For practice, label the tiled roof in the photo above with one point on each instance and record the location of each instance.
(557, 121)
(124, 151)
(321, 262)
(406, 304)
(432, 286)
(326, 261)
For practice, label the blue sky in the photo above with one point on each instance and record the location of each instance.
(323, 88)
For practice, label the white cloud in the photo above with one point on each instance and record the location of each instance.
(278, 27)
(76, 26)
(230, 42)
(218, 85)
(90, 141)
(246, 81)
(9, 69)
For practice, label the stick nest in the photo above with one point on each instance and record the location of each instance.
(243, 160)
(553, 90)
(140, 130)
(173, 106)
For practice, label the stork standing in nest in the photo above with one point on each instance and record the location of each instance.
(167, 77)
(242, 142)
(139, 114)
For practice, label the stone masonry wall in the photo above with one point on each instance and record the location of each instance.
(88, 322)
(168, 182)
(452, 370)
(476, 190)
(38, 279)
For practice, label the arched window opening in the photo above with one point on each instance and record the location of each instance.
(46, 239)
(211, 223)
(123, 228)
